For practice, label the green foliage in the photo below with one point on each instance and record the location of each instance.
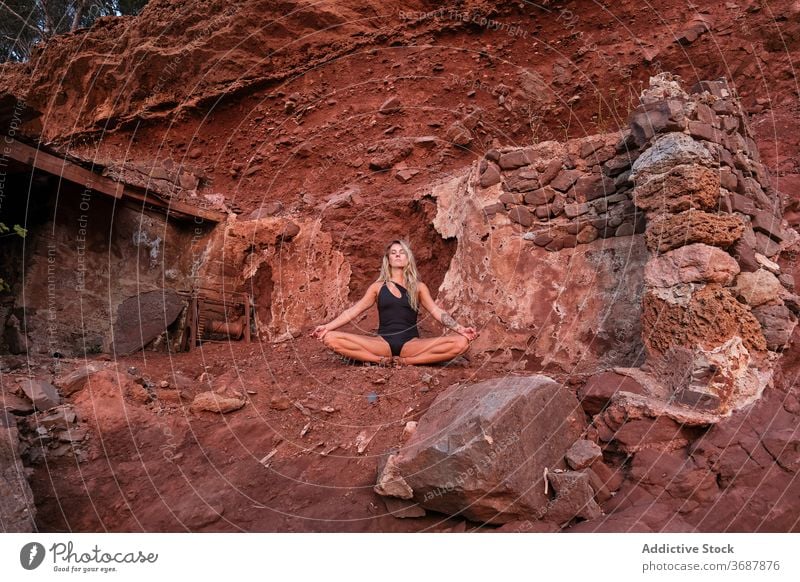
(19, 231)
(24, 23)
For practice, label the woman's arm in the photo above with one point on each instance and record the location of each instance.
(350, 313)
(441, 315)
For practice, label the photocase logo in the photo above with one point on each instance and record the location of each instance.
(31, 555)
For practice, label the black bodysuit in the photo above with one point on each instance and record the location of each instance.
(398, 322)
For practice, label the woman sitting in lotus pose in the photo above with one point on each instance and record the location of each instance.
(399, 294)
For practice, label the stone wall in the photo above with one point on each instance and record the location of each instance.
(550, 259)
(566, 195)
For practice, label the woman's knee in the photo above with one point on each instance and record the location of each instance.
(462, 344)
(330, 339)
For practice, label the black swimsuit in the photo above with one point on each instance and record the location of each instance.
(398, 322)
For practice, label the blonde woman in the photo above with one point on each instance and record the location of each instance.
(399, 293)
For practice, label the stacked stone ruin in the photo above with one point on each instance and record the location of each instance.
(716, 309)
(570, 198)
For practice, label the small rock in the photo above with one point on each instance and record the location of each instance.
(521, 215)
(13, 403)
(212, 402)
(582, 454)
(402, 509)
(574, 497)
(391, 105)
(458, 135)
(266, 209)
(758, 287)
(362, 441)
(77, 379)
(490, 176)
(405, 175)
(426, 141)
(59, 417)
(72, 434)
(280, 402)
(770, 266)
(391, 483)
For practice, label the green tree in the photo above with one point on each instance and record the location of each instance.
(24, 23)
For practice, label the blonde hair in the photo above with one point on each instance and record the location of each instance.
(410, 275)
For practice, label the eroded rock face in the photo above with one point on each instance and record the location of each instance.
(291, 268)
(481, 449)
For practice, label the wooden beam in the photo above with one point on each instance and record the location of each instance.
(41, 160)
(176, 209)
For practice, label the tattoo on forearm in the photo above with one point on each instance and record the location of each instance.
(448, 321)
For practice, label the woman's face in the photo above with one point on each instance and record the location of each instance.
(397, 256)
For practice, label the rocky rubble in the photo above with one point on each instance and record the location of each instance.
(35, 425)
(17, 510)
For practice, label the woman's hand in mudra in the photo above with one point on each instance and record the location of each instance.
(468, 332)
(320, 331)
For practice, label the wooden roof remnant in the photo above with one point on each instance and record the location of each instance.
(53, 163)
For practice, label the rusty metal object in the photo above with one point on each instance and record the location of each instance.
(232, 329)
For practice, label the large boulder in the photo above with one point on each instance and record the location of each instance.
(481, 450)
(142, 318)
